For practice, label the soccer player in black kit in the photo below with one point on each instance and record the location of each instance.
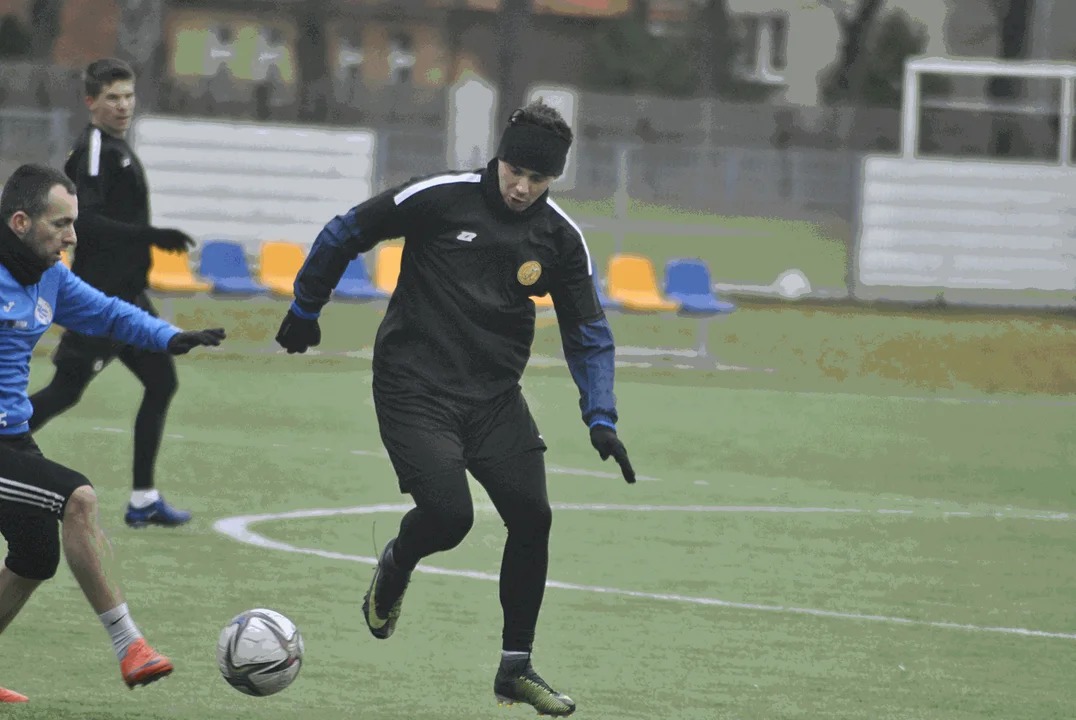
(448, 358)
(113, 256)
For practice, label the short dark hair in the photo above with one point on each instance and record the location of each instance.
(546, 116)
(28, 190)
(101, 73)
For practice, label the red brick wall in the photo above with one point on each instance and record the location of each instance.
(87, 32)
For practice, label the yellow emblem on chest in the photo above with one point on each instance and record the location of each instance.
(529, 272)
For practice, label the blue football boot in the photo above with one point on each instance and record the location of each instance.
(157, 513)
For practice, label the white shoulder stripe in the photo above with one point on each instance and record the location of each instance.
(590, 264)
(95, 152)
(434, 182)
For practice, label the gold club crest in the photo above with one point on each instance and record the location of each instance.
(529, 272)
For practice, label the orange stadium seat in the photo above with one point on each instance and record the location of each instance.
(632, 282)
(280, 262)
(171, 272)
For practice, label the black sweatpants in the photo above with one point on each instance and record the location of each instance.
(79, 358)
(432, 441)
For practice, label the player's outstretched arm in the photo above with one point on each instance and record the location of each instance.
(339, 242)
(334, 248)
(590, 352)
(85, 309)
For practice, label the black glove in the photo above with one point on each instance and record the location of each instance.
(171, 239)
(605, 441)
(297, 334)
(184, 342)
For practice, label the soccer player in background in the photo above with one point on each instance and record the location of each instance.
(449, 356)
(113, 256)
(38, 208)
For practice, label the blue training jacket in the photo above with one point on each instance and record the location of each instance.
(27, 311)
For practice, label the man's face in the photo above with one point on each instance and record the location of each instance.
(520, 187)
(113, 109)
(49, 234)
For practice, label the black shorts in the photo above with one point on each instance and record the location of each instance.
(33, 497)
(428, 434)
(94, 353)
(30, 483)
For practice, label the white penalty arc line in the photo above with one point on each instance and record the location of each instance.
(238, 528)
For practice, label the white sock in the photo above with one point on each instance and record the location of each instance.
(121, 629)
(144, 498)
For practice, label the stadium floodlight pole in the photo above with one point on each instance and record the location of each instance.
(620, 197)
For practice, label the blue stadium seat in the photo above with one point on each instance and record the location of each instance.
(688, 281)
(355, 282)
(224, 264)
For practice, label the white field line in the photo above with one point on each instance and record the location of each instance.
(238, 528)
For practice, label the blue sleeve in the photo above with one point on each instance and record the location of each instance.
(334, 248)
(589, 350)
(85, 309)
(340, 241)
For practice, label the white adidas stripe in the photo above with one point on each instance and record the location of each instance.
(7, 494)
(95, 152)
(590, 265)
(15, 484)
(434, 182)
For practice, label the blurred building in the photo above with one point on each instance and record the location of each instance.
(220, 52)
(389, 64)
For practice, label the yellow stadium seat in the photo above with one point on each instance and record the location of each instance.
(387, 268)
(545, 301)
(280, 262)
(65, 258)
(171, 272)
(632, 282)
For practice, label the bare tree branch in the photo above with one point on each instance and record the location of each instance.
(854, 30)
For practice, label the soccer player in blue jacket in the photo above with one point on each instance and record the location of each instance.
(38, 209)
(449, 356)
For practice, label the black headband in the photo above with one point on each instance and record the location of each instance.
(533, 147)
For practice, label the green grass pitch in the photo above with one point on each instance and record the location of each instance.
(943, 524)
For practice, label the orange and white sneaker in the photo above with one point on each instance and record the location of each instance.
(7, 696)
(143, 665)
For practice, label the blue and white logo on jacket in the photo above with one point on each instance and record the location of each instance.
(43, 311)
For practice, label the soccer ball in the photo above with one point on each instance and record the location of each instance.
(260, 652)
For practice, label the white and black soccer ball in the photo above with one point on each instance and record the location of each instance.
(260, 652)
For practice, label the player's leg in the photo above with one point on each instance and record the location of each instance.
(423, 442)
(157, 373)
(15, 589)
(32, 494)
(77, 359)
(517, 487)
(88, 551)
(506, 455)
(36, 493)
(442, 517)
(17, 529)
